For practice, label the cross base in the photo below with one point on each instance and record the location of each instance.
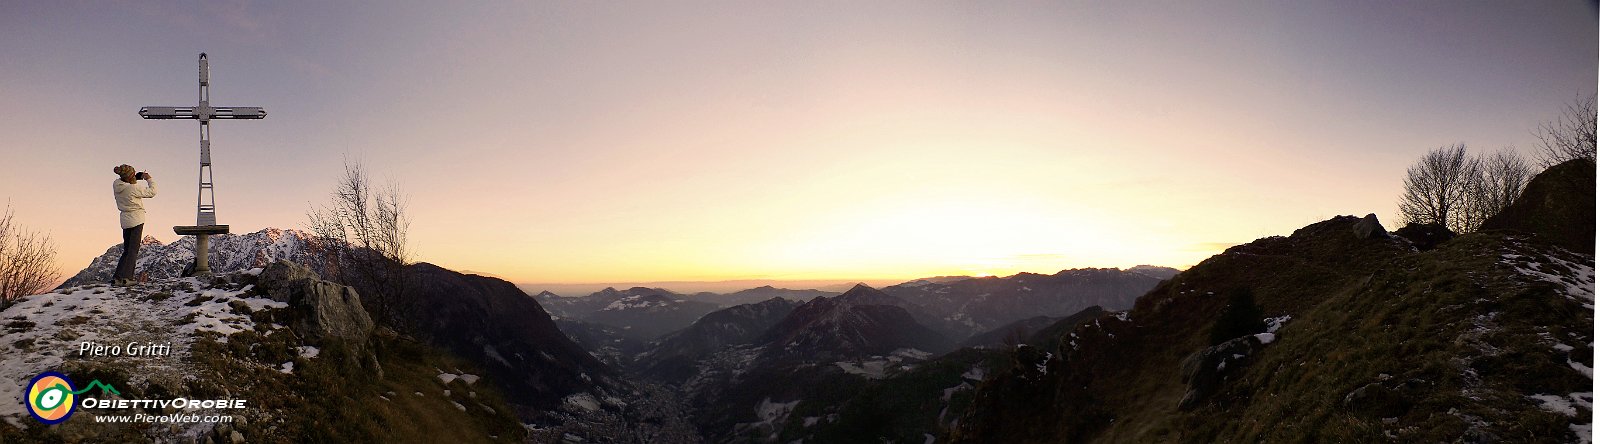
(202, 244)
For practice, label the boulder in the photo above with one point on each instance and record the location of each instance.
(1369, 228)
(321, 310)
(1205, 370)
(1557, 207)
(1425, 236)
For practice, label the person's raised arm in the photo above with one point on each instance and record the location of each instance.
(149, 189)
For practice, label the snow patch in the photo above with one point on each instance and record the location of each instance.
(869, 369)
(1578, 286)
(973, 374)
(1273, 324)
(911, 353)
(446, 378)
(773, 413)
(1589, 372)
(43, 331)
(583, 401)
(952, 391)
(1554, 403)
(1266, 338)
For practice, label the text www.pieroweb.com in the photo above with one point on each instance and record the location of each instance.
(171, 418)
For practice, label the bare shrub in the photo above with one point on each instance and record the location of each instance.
(363, 238)
(1571, 136)
(27, 260)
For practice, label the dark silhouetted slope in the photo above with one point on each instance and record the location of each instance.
(1557, 207)
(1484, 338)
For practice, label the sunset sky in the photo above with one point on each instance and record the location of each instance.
(647, 141)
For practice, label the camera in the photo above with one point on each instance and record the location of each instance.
(141, 175)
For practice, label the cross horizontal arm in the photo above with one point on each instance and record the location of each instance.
(190, 112)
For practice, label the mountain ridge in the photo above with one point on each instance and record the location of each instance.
(1412, 332)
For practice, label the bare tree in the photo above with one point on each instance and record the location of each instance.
(1501, 178)
(1571, 136)
(363, 232)
(27, 260)
(1439, 186)
(1461, 191)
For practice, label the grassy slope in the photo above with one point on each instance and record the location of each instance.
(1455, 339)
(1360, 308)
(331, 398)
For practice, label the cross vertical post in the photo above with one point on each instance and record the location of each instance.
(205, 196)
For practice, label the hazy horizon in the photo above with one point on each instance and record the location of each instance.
(591, 142)
(574, 289)
(692, 287)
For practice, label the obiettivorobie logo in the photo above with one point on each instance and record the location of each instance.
(50, 396)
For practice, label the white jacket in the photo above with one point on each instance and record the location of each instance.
(130, 200)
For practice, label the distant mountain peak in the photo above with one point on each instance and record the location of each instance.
(859, 287)
(1155, 271)
(862, 321)
(862, 294)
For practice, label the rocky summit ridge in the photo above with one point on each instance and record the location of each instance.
(301, 352)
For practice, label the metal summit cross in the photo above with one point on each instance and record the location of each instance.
(206, 207)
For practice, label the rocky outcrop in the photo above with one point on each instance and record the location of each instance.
(1557, 207)
(1205, 370)
(486, 322)
(1369, 228)
(1425, 236)
(229, 253)
(321, 310)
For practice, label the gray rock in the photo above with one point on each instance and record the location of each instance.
(236, 437)
(323, 311)
(1205, 370)
(1369, 228)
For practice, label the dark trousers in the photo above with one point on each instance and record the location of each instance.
(131, 237)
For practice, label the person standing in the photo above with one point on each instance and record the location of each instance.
(130, 202)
